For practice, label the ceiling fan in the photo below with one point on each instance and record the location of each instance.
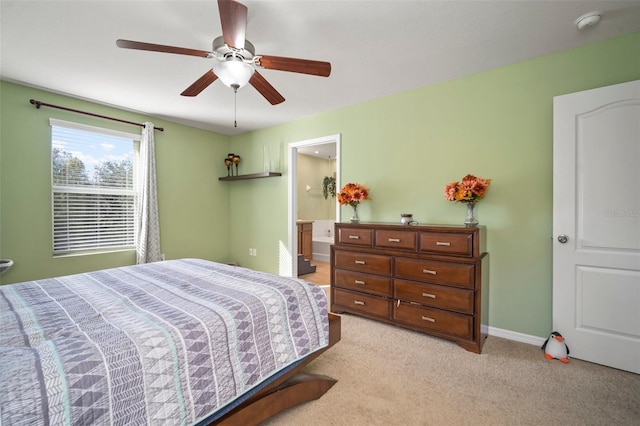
(234, 57)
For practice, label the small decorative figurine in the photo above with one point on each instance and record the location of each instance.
(556, 348)
(228, 162)
(407, 219)
(236, 161)
(230, 158)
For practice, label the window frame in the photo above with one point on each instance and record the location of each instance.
(94, 190)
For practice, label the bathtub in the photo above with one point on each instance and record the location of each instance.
(322, 237)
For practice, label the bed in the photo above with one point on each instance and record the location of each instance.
(179, 342)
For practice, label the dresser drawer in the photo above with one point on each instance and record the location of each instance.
(363, 262)
(353, 301)
(393, 239)
(439, 296)
(434, 319)
(433, 271)
(360, 281)
(445, 243)
(356, 236)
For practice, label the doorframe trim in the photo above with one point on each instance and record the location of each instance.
(292, 190)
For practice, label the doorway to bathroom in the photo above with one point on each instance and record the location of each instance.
(313, 164)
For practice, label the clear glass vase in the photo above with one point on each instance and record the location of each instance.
(471, 219)
(354, 217)
(266, 161)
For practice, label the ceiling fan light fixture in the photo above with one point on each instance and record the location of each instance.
(235, 58)
(233, 72)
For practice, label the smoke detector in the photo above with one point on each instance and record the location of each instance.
(588, 20)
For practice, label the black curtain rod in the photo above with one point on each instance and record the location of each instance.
(38, 104)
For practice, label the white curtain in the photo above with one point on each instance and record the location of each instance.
(148, 248)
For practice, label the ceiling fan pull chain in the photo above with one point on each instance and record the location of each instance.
(235, 105)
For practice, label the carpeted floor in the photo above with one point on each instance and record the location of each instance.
(391, 376)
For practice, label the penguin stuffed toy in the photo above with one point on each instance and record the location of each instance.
(556, 348)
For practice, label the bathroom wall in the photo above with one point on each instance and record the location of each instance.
(311, 203)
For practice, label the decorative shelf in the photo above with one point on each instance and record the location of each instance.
(251, 176)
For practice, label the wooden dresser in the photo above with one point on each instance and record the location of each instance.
(431, 279)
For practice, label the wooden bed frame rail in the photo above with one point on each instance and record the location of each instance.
(291, 389)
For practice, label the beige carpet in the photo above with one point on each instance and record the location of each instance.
(390, 376)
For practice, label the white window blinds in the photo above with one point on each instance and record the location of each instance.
(93, 191)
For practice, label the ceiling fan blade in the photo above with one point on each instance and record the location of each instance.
(233, 17)
(265, 89)
(303, 66)
(138, 45)
(200, 84)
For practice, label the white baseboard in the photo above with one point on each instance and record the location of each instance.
(320, 257)
(514, 335)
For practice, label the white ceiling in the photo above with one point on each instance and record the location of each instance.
(376, 48)
(326, 150)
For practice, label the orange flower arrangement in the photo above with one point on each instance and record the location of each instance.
(353, 194)
(470, 190)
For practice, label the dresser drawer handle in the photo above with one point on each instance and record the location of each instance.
(354, 237)
(359, 282)
(429, 271)
(359, 262)
(358, 302)
(428, 319)
(432, 296)
(442, 243)
(394, 240)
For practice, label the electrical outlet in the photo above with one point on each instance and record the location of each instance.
(250, 252)
(255, 252)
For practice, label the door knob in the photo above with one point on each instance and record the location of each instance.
(563, 238)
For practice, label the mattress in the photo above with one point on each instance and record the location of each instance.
(169, 342)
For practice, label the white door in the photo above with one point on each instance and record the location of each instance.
(596, 224)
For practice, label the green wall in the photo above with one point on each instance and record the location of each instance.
(193, 204)
(406, 147)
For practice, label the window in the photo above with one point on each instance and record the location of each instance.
(93, 190)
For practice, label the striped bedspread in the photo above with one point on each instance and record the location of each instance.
(163, 343)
